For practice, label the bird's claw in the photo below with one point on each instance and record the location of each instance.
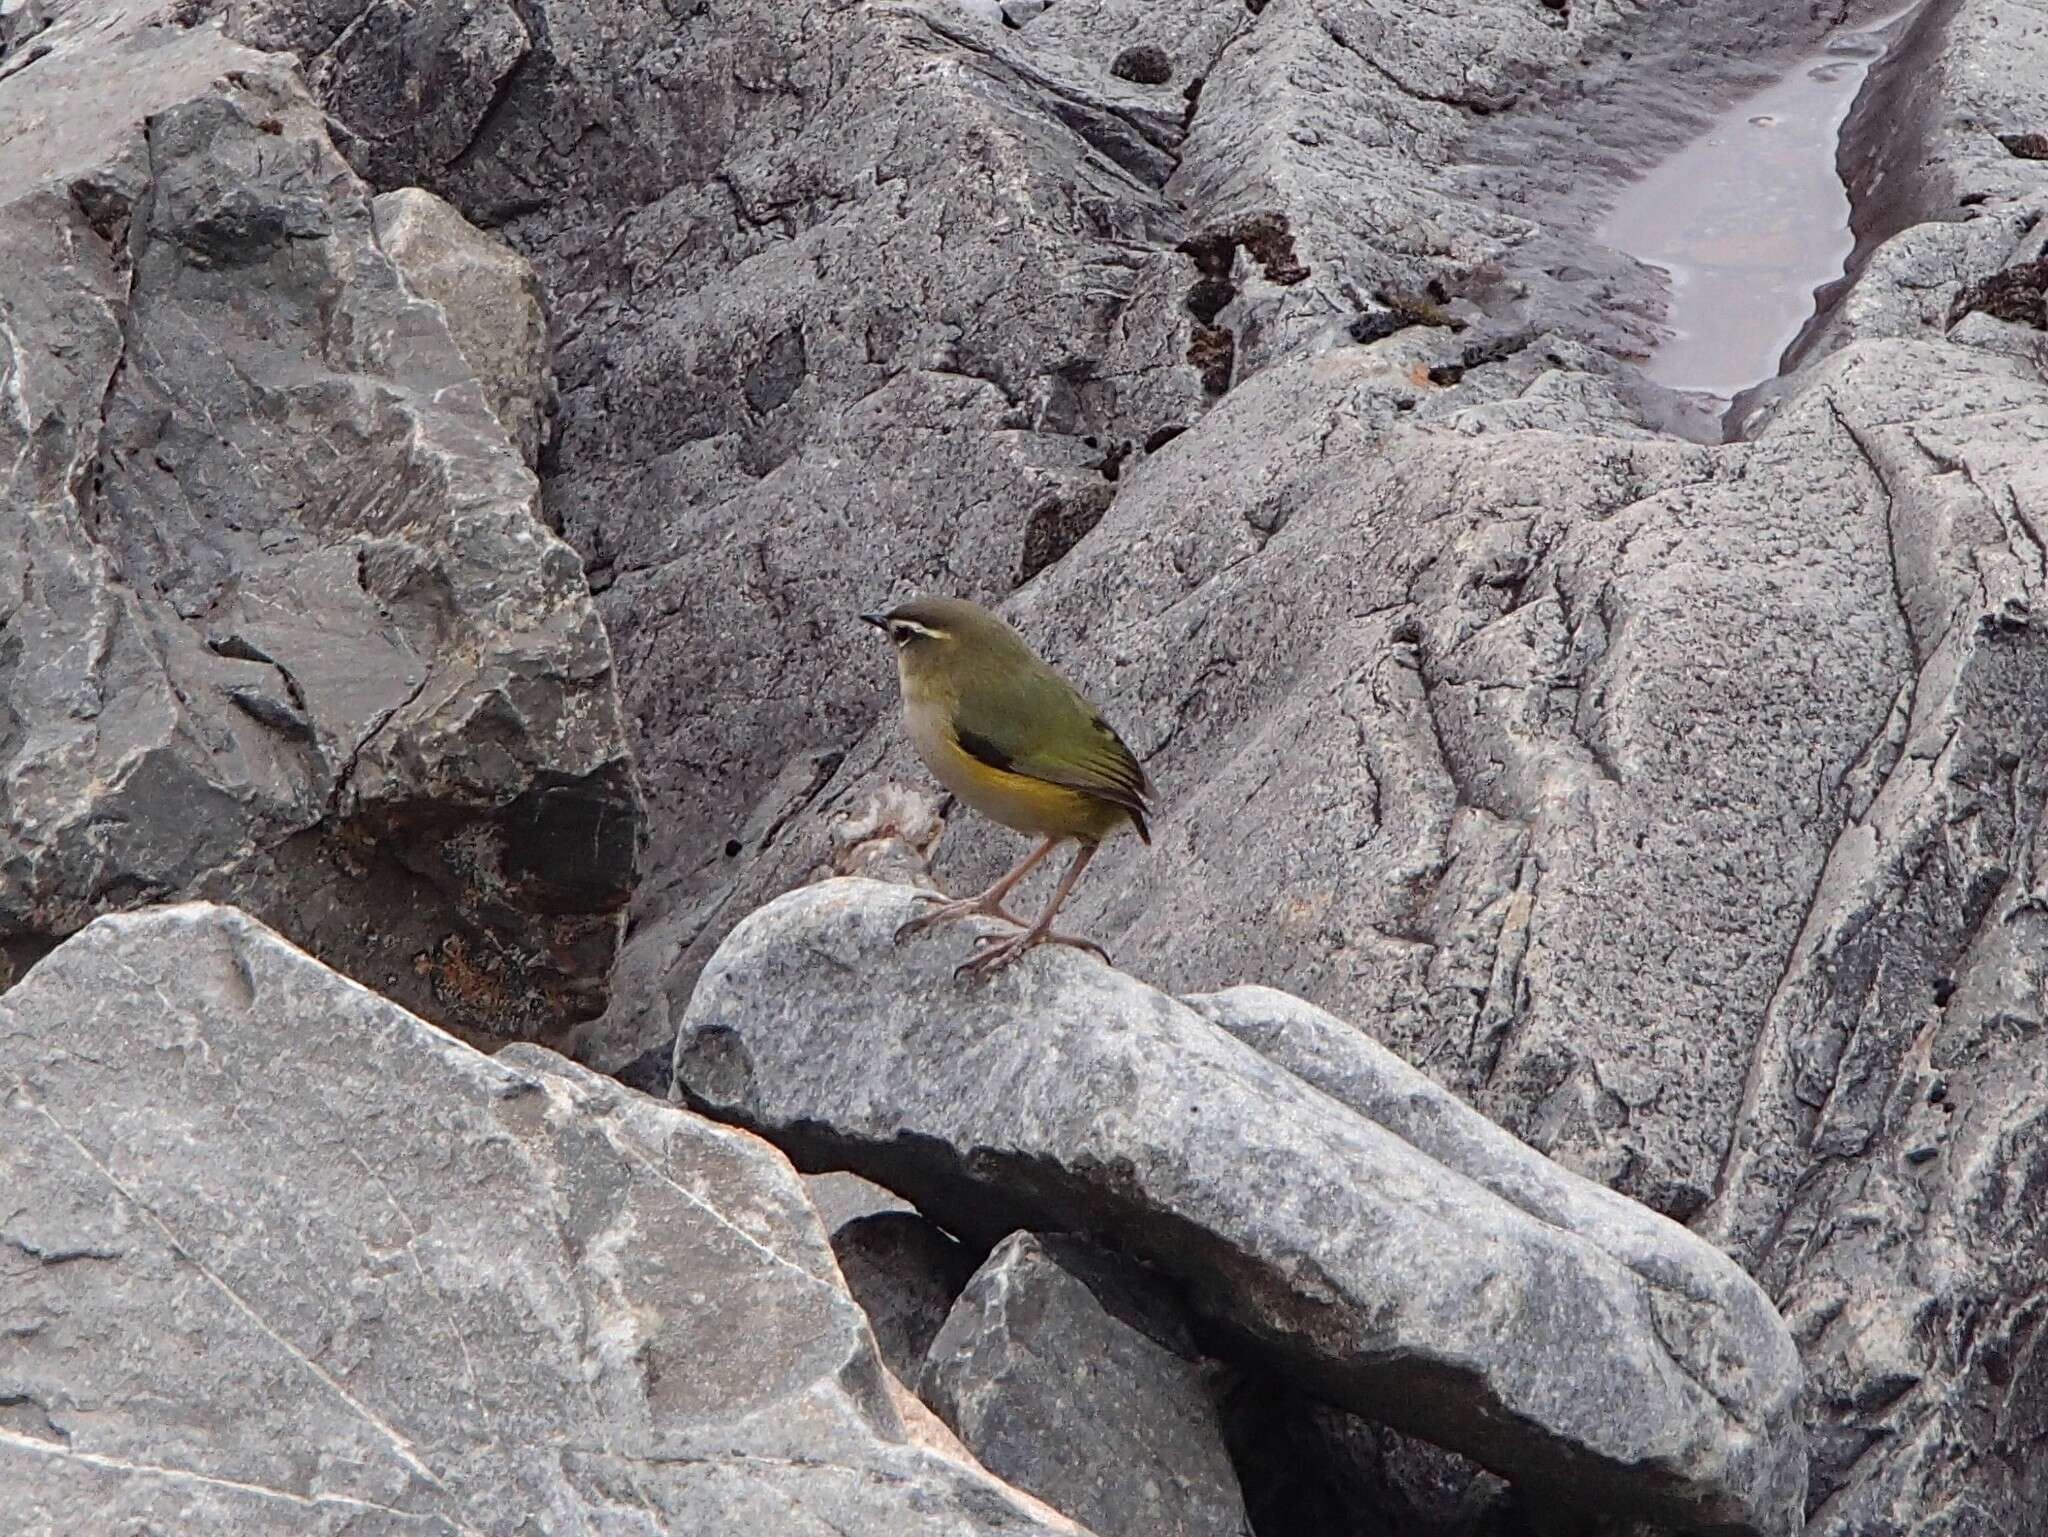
(995, 956)
(915, 925)
(1079, 943)
(995, 951)
(951, 911)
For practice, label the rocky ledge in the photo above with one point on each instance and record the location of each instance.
(1329, 1210)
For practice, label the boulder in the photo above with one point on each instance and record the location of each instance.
(282, 623)
(489, 299)
(1610, 1359)
(1055, 1370)
(279, 1257)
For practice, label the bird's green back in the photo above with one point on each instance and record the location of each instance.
(1019, 715)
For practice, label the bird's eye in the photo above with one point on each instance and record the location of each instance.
(901, 633)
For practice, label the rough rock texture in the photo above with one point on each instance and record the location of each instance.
(304, 1264)
(1056, 1374)
(491, 301)
(279, 621)
(1512, 1312)
(1676, 804)
(1091, 219)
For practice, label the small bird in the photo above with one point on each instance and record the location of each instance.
(1018, 743)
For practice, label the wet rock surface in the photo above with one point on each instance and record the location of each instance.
(1628, 1370)
(279, 619)
(312, 1266)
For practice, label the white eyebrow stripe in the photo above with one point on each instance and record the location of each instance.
(912, 624)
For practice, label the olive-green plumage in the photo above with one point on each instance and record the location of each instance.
(1017, 742)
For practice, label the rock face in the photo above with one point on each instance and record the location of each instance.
(1677, 804)
(304, 1264)
(1504, 1309)
(1092, 1406)
(1095, 218)
(278, 619)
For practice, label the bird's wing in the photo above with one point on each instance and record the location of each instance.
(1041, 728)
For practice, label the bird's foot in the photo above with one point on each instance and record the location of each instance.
(995, 951)
(952, 910)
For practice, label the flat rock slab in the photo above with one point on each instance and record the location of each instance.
(1625, 1375)
(278, 1257)
(1055, 1392)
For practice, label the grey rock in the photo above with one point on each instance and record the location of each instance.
(1570, 759)
(903, 1270)
(1583, 1356)
(1649, 795)
(282, 623)
(420, 76)
(489, 298)
(841, 1198)
(279, 1257)
(905, 1273)
(1060, 1396)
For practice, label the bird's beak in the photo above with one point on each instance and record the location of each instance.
(879, 621)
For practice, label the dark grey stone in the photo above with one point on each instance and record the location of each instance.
(1306, 1467)
(905, 1273)
(1060, 1395)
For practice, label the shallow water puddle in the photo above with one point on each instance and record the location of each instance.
(1748, 221)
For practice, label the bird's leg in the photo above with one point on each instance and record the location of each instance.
(988, 905)
(995, 956)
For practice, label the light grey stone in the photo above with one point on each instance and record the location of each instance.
(282, 621)
(1621, 1375)
(489, 298)
(841, 1198)
(278, 1257)
(1059, 1395)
